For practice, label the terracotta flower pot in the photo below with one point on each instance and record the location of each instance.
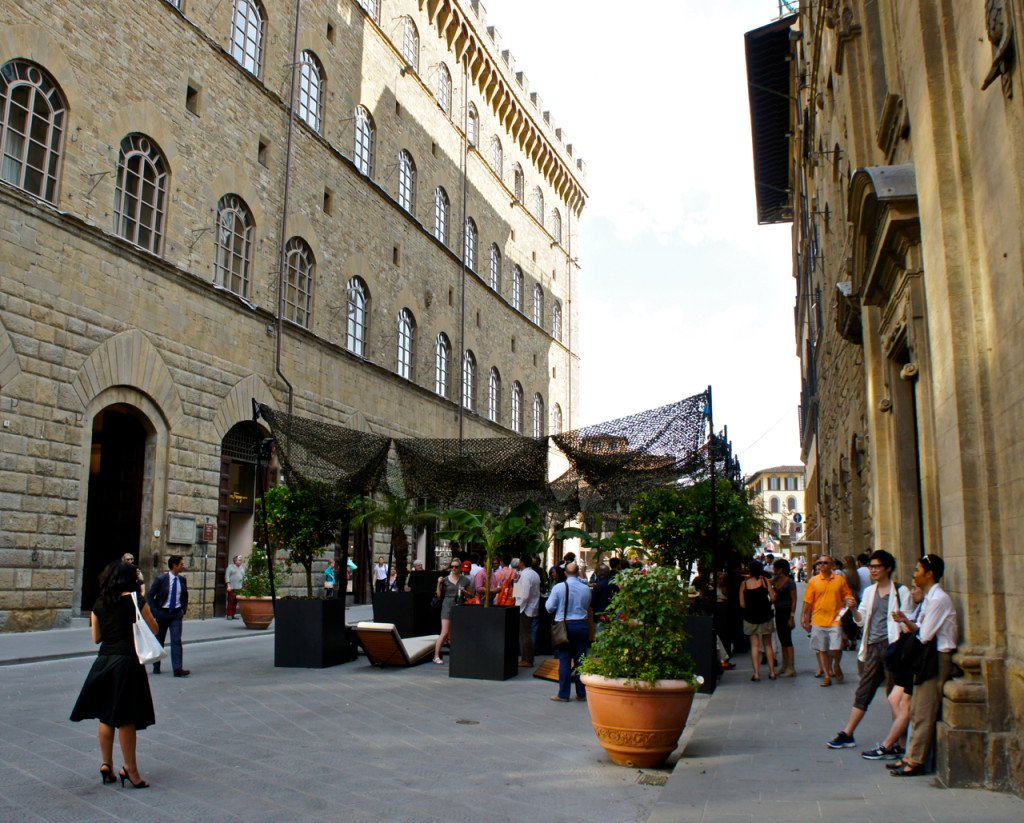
(257, 612)
(638, 725)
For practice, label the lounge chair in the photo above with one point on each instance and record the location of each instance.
(384, 646)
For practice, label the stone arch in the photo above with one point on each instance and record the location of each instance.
(130, 359)
(149, 119)
(10, 367)
(33, 43)
(237, 404)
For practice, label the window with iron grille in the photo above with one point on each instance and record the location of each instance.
(364, 141)
(519, 181)
(298, 286)
(372, 8)
(494, 396)
(495, 262)
(406, 341)
(358, 297)
(538, 416)
(556, 225)
(517, 408)
(556, 321)
(517, 288)
(537, 205)
(32, 123)
(556, 419)
(472, 125)
(469, 380)
(411, 44)
(140, 194)
(232, 262)
(311, 90)
(406, 181)
(469, 244)
(538, 304)
(247, 28)
(442, 364)
(441, 209)
(444, 89)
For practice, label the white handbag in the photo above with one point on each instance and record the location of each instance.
(147, 647)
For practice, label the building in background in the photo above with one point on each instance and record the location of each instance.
(394, 252)
(780, 491)
(891, 135)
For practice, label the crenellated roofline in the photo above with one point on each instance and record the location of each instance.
(559, 168)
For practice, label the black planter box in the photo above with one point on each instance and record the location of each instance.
(409, 611)
(311, 634)
(700, 643)
(485, 642)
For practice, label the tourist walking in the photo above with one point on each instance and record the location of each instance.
(569, 602)
(756, 598)
(116, 690)
(233, 581)
(168, 600)
(451, 590)
(330, 579)
(785, 614)
(824, 600)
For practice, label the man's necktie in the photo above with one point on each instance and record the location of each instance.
(173, 602)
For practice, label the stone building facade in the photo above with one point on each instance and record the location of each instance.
(891, 135)
(780, 492)
(395, 253)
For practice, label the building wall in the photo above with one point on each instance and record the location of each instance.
(87, 319)
(908, 169)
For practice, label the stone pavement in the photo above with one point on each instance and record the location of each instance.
(241, 739)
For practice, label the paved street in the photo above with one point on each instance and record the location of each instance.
(241, 739)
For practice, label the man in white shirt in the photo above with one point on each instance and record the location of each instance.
(527, 593)
(936, 623)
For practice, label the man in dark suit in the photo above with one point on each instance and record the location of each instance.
(168, 600)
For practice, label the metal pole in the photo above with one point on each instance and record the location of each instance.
(462, 255)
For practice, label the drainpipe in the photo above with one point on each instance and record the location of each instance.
(283, 262)
(462, 254)
(568, 426)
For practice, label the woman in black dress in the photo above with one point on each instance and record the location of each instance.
(116, 692)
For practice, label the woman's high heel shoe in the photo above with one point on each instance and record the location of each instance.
(107, 773)
(142, 784)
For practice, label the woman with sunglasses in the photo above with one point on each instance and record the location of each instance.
(451, 589)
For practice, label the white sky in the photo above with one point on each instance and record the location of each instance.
(679, 287)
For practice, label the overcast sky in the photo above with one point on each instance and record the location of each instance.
(679, 287)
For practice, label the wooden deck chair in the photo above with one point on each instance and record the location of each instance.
(385, 647)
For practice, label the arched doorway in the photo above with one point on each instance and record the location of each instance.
(117, 463)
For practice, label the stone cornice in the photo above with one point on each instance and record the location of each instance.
(458, 30)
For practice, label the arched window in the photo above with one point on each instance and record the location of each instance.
(556, 321)
(32, 123)
(406, 181)
(494, 396)
(517, 288)
(519, 183)
(556, 225)
(357, 299)
(537, 204)
(517, 408)
(298, 285)
(497, 156)
(411, 44)
(441, 208)
(140, 194)
(232, 263)
(469, 244)
(495, 274)
(444, 89)
(364, 142)
(372, 8)
(311, 90)
(472, 125)
(442, 364)
(469, 381)
(247, 29)
(538, 416)
(791, 504)
(406, 343)
(774, 505)
(556, 419)
(538, 304)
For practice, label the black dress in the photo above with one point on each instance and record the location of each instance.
(116, 691)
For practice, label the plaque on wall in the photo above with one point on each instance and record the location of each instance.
(181, 530)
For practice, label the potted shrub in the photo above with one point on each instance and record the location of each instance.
(254, 600)
(639, 677)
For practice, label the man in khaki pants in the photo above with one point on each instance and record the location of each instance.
(936, 624)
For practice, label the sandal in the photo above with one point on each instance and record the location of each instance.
(896, 764)
(909, 770)
(439, 661)
(826, 682)
(756, 679)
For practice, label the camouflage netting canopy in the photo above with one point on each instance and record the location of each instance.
(609, 463)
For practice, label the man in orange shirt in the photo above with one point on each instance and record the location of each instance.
(826, 598)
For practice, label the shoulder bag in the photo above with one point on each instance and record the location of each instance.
(147, 647)
(505, 597)
(559, 629)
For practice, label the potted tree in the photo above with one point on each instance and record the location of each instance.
(254, 601)
(485, 641)
(639, 677)
(301, 521)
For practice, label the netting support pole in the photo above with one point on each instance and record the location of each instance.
(713, 577)
(261, 488)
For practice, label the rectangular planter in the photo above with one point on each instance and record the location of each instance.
(409, 611)
(700, 643)
(485, 642)
(311, 634)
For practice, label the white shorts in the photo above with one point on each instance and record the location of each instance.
(826, 638)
